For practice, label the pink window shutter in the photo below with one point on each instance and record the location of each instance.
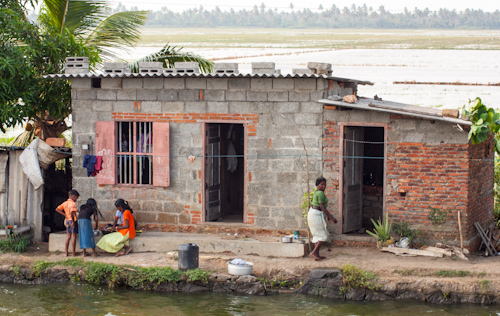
(105, 140)
(161, 154)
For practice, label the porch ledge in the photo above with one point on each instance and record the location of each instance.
(166, 242)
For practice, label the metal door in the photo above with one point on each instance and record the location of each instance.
(353, 178)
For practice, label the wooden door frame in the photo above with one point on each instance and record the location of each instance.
(341, 167)
(204, 124)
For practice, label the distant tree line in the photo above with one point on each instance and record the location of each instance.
(333, 17)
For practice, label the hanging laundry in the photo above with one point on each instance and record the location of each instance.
(93, 164)
(98, 166)
(232, 161)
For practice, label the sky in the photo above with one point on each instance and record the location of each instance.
(390, 5)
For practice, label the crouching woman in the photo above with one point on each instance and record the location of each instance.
(118, 242)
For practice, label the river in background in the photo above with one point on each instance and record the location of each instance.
(382, 67)
(85, 299)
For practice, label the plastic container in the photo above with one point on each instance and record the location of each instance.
(188, 256)
(296, 234)
(234, 269)
(286, 239)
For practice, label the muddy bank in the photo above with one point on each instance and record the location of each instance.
(332, 284)
(324, 282)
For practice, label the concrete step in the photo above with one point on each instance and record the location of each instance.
(166, 242)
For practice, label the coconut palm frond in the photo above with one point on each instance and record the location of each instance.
(117, 30)
(75, 15)
(171, 54)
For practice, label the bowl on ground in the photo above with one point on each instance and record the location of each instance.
(235, 269)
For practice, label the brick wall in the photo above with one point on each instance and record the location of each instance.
(429, 164)
(276, 109)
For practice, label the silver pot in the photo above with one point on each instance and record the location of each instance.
(286, 239)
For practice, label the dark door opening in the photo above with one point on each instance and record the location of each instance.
(224, 172)
(363, 177)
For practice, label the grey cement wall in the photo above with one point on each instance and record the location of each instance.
(275, 157)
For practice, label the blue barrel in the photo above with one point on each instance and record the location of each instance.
(188, 256)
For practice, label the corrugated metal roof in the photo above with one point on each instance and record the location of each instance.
(369, 104)
(168, 75)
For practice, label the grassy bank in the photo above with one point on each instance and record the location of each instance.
(321, 38)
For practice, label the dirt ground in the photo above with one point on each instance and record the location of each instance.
(386, 265)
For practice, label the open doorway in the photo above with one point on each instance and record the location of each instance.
(224, 172)
(363, 177)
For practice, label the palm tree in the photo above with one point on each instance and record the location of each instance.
(92, 22)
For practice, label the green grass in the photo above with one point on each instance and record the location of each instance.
(451, 274)
(323, 38)
(129, 276)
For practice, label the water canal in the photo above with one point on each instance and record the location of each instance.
(85, 299)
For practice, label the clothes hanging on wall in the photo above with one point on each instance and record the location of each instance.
(93, 164)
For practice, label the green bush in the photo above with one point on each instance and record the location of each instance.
(354, 277)
(382, 230)
(15, 243)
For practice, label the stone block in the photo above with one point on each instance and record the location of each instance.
(77, 59)
(218, 107)
(214, 95)
(236, 96)
(283, 143)
(316, 65)
(145, 216)
(111, 83)
(302, 71)
(261, 83)
(79, 105)
(81, 83)
(195, 107)
(277, 96)
(132, 83)
(168, 95)
(71, 70)
(263, 71)
(311, 107)
(174, 83)
(153, 83)
(124, 106)
(103, 106)
(226, 66)
(283, 84)
(150, 64)
(239, 83)
(151, 107)
(147, 95)
(321, 84)
(317, 95)
(263, 65)
(287, 107)
(172, 107)
(256, 96)
(242, 107)
(305, 83)
(186, 65)
(265, 223)
(126, 95)
(114, 66)
(106, 95)
(196, 83)
(298, 96)
(166, 218)
(189, 95)
(103, 116)
(217, 83)
(86, 94)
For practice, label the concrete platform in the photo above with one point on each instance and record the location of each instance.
(166, 242)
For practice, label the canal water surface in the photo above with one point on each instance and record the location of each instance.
(84, 299)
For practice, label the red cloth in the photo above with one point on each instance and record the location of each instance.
(97, 166)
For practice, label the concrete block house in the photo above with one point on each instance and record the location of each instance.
(221, 153)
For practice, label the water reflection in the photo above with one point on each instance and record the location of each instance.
(84, 299)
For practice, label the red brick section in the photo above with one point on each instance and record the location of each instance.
(481, 184)
(191, 118)
(331, 155)
(428, 177)
(449, 177)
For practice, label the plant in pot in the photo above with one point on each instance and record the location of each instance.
(382, 231)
